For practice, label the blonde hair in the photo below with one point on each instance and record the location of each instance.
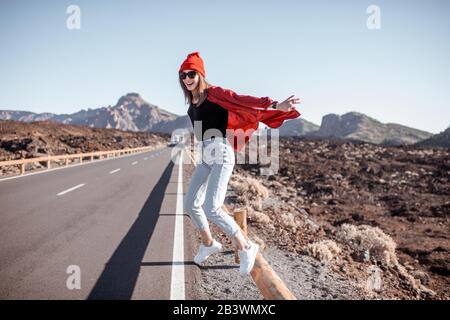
(200, 91)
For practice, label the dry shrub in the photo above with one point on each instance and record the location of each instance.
(365, 238)
(381, 248)
(257, 216)
(324, 251)
(249, 191)
(290, 222)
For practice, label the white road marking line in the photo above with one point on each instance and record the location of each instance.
(145, 158)
(71, 189)
(133, 163)
(177, 291)
(114, 171)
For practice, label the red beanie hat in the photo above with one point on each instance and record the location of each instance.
(193, 62)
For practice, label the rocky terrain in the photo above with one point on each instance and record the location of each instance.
(376, 219)
(29, 140)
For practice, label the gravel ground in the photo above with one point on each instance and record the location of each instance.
(306, 277)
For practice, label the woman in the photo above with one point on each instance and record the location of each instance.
(222, 112)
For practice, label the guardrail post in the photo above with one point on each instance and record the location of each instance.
(48, 164)
(240, 215)
(22, 168)
(268, 282)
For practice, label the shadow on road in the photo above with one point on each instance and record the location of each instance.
(119, 277)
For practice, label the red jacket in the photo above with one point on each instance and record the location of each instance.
(245, 112)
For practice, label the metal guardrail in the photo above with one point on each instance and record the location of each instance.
(268, 282)
(67, 157)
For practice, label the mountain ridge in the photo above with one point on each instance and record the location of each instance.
(132, 113)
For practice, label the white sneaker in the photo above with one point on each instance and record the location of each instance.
(204, 252)
(247, 258)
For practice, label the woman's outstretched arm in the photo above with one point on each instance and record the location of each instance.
(258, 102)
(241, 99)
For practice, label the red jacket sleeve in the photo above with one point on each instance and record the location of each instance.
(242, 100)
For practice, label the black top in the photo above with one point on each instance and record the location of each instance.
(212, 116)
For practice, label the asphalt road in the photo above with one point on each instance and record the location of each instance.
(107, 226)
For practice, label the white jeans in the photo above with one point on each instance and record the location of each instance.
(208, 186)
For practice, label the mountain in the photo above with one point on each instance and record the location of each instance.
(358, 126)
(25, 116)
(297, 128)
(170, 126)
(131, 113)
(438, 140)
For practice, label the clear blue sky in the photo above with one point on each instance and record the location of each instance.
(322, 51)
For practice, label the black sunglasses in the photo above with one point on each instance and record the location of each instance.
(190, 74)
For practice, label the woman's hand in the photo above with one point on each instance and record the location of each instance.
(288, 104)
